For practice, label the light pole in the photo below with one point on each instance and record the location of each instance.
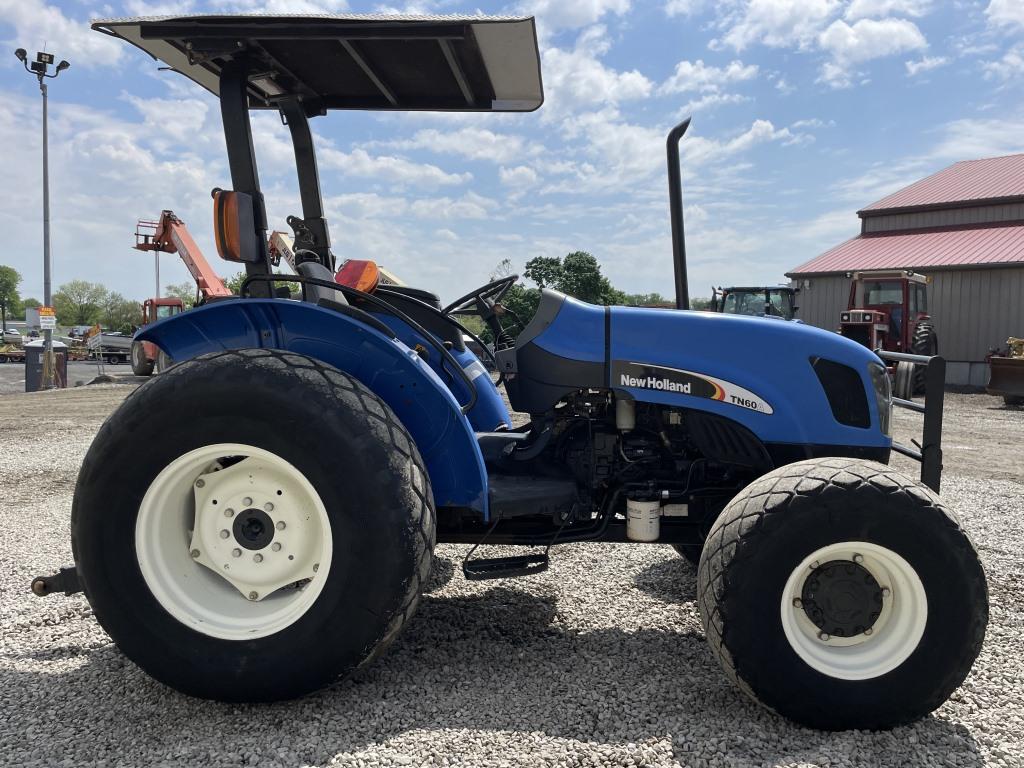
(40, 70)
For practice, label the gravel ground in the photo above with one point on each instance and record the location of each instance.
(599, 661)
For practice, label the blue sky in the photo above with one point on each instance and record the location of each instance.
(804, 111)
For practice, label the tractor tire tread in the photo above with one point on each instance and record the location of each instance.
(381, 424)
(757, 509)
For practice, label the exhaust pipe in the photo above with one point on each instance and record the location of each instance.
(675, 210)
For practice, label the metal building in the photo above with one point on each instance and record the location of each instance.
(964, 228)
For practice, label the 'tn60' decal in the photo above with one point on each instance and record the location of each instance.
(663, 379)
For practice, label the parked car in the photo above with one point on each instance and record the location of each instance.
(11, 336)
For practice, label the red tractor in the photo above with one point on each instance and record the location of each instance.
(888, 310)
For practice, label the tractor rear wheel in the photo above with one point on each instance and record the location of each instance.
(252, 526)
(842, 594)
(926, 343)
(141, 364)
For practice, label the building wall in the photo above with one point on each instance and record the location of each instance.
(973, 311)
(945, 217)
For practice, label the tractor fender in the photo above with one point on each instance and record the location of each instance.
(384, 364)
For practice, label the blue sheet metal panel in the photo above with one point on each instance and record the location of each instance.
(576, 333)
(490, 410)
(419, 398)
(767, 357)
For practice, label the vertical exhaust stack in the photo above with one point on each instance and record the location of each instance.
(675, 209)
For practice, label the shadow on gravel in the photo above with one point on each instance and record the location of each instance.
(498, 661)
(673, 580)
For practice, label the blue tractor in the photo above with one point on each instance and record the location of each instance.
(259, 520)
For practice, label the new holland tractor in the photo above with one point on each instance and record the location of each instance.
(312, 452)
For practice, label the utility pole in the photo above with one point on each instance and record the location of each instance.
(40, 70)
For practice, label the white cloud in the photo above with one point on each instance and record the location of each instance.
(519, 176)
(1006, 12)
(701, 150)
(709, 101)
(66, 38)
(473, 143)
(779, 23)
(572, 14)
(862, 41)
(446, 234)
(389, 168)
(862, 9)
(574, 79)
(683, 7)
(696, 76)
(469, 206)
(1011, 65)
(926, 64)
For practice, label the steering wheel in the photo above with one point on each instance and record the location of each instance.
(481, 301)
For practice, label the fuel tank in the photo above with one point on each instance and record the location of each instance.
(786, 382)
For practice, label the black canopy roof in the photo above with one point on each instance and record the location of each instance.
(345, 61)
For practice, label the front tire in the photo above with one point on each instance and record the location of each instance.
(326, 507)
(842, 594)
(141, 364)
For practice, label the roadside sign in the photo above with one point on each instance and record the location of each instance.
(47, 318)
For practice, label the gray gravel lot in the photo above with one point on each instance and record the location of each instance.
(599, 661)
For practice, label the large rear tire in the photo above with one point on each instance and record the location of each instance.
(842, 594)
(141, 364)
(252, 526)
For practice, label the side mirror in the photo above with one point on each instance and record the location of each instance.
(234, 226)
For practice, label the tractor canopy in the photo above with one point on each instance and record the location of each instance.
(350, 61)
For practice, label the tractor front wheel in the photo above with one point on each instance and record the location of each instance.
(926, 343)
(141, 364)
(842, 594)
(252, 526)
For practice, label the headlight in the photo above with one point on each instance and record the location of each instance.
(883, 396)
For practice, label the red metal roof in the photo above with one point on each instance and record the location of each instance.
(922, 249)
(966, 181)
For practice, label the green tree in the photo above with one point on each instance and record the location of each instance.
(79, 302)
(119, 313)
(184, 291)
(30, 303)
(234, 283)
(545, 271)
(9, 298)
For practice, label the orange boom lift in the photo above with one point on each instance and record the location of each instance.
(170, 235)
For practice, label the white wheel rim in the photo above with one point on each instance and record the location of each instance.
(216, 584)
(892, 638)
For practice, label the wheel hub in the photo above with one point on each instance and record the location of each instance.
(842, 598)
(254, 529)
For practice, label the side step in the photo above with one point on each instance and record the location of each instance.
(484, 568)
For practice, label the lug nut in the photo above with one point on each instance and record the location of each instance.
(268, 507)
(195, 553)
(316, 567)
(225, 533)
(253, 595)
(229, 512)
(858, 558)
(886, 591)
(257, 558)
(824, 637)
(276, 546)
(868, 631)
(200, 483)
(814, 565)
(236, 552)
(247, 501)
(798, 603)
(280, 525)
